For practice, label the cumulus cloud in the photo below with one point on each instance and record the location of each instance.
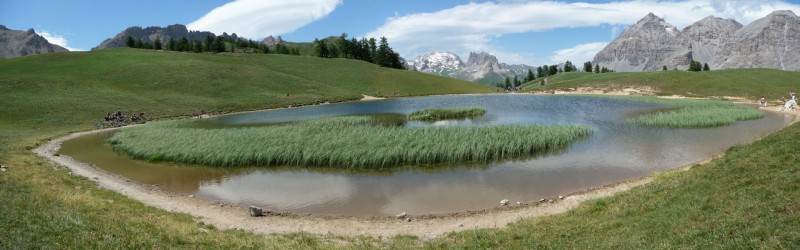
(578, 54)
(56, 39)
(257, 18)
(471, 27)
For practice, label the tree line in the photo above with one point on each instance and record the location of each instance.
(212, 44)
(368, 50)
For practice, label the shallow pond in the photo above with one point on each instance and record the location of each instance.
(616, 151)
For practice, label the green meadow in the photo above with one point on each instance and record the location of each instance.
(745, 199)
(445, 114)
(341, 142)
(744, 83)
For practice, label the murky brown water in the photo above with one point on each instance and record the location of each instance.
(616, 151)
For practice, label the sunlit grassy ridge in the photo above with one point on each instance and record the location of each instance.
(747, 83)
(345, 142)
(693, 113)
(444, 114)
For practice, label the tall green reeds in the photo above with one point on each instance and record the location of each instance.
(349, 142)
(444, 114)
(693, 113)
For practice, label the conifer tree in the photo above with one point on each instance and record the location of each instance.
(597, 68)
(157, 44)
(587, 66)
(705, 67)
(530, 76)
(130, 43)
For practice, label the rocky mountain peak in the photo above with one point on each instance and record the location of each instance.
(651, 43)
(437, 62)
(150, 34)
(654, 24)
(270, 41)
(645, 45)
(769, 42)
(481, 59)
(16, 43)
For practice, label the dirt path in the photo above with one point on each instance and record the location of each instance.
(225, 216)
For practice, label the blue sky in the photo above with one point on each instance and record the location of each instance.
(534, 32)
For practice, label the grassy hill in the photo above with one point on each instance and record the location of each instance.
(748, 83)
(746, 199)
(75, 88)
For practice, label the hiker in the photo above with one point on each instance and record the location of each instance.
(763, 101)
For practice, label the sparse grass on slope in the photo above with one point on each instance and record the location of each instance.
(747, 83)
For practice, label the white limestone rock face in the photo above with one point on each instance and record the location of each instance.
(643, 46)
(769, 42)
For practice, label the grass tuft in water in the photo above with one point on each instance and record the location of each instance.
(445, 114)
(693, 113)
(348, 142)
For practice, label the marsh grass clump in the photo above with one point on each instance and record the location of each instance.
(348, 142)
(693, 113)
(445, 114)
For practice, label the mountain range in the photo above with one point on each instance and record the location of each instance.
(652, 43)
(480, 67)
(16, 43)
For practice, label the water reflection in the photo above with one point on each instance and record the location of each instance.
(615, 152)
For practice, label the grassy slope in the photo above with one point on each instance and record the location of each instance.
(748, 83)
(50, 95)
(747, 198)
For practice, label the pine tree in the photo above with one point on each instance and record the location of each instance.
(540, 72)
(597, 68)
(157, 44)
(664, 68)
(139, 44)
(344, 46)
(171, 44)
(130, 43)
(553, 70)
(530, 76)
(705, 67)
(320, 49)
(568, 67)
(508, 82)
(183, 45)
(197, 47)
(587, 67)
(219, 44)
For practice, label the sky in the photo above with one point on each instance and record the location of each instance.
(532, 32)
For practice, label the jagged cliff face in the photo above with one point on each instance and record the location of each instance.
(770, 42)
(705, 37)
(651, 43)
(272, 41)
(150, 34)
(481, 64)
(480, 67)
(16, 43)
(643, 46)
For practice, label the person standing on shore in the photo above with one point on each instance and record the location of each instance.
(763, 101)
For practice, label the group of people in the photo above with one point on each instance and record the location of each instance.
(118, 119)
(787, 105)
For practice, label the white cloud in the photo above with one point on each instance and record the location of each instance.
(56, 39)
(578, 54)
(257, 18)
(471, 27)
